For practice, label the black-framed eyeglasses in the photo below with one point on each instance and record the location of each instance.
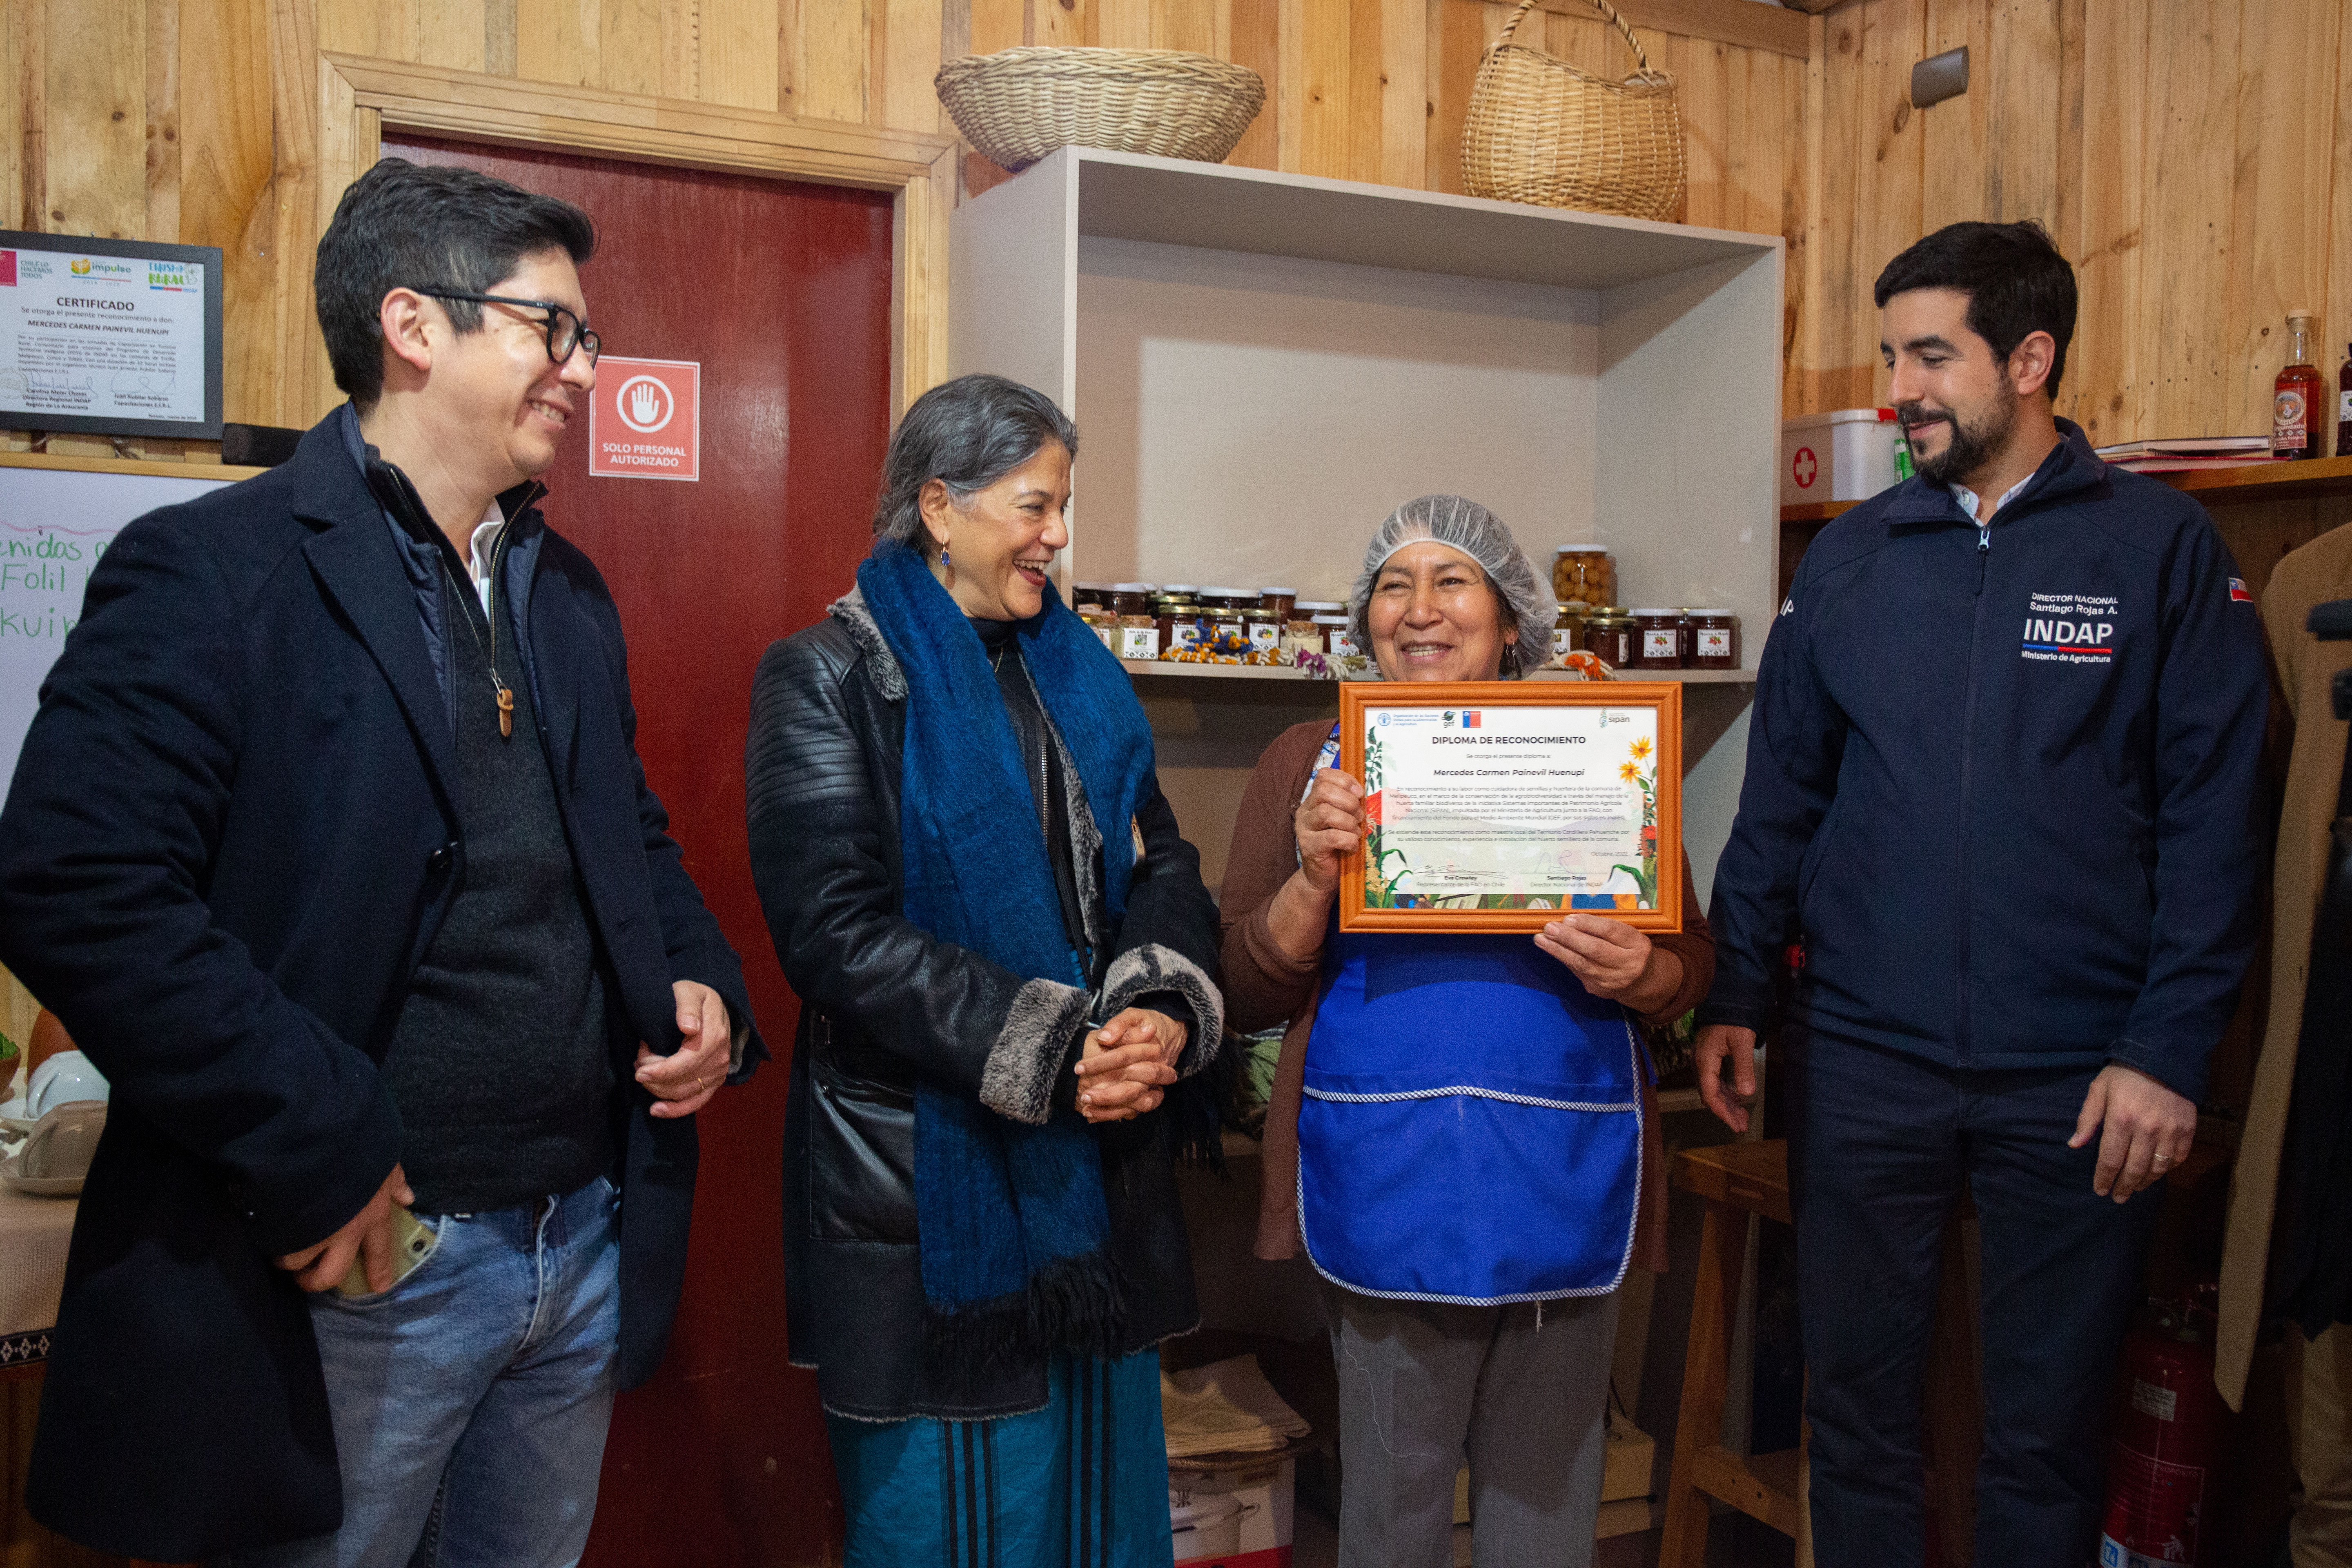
(566, 334)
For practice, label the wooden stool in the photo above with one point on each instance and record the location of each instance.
(1733, 1181)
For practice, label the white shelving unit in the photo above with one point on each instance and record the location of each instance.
(1262, 366)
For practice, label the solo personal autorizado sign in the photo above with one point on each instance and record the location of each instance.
(644, 419)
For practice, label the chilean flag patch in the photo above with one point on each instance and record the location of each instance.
(2238, 591)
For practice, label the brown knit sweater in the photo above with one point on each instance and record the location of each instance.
(1264, 987)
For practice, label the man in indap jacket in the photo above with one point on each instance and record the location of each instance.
(2002, 787)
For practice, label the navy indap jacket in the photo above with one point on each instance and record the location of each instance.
(2004, 782)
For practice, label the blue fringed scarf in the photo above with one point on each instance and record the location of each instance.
(1011, 1222)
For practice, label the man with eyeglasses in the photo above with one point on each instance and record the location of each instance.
(331, 845)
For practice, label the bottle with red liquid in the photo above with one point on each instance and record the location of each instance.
(2343, 406)
(2295, 406)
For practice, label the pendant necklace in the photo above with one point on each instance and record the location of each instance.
(490, 654)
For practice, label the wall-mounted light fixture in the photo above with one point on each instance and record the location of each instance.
(1939, 76)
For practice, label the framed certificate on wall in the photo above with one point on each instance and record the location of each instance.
(1494, 805)
(110, 337)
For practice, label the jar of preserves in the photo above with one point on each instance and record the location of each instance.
(1280, 602)
(1263, 628)
(1301, 635)
(1609, 637)
(1139, 629)
(1179, 623)
(1083, 594)
(1659, 639)
(1228, 632)
(1215, 599)
(1337, 640)
(1583, 575)
(1568, 632)
(1715, 639)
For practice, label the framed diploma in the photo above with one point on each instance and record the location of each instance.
(110, 337)
(1494, 805)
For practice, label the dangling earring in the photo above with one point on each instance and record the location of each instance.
(944, 559)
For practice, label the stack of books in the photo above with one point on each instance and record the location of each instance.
(2182, 456)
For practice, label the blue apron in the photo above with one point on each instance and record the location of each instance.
(1472, 1129)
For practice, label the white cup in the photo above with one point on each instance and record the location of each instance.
(67, 1075)
(60, 1147)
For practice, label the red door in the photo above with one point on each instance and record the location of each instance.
(782, 293)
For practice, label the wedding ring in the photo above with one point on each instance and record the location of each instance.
(2164, 1159)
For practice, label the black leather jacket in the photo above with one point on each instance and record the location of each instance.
(882, 1001)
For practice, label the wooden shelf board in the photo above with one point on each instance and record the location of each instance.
(1164, 669)
(2266, 482)
(162, 470)
(2256, 481)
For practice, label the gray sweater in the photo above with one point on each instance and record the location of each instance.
(502, 1062)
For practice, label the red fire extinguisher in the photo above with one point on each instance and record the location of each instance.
(2168, 1429)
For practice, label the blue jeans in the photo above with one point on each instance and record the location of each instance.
(1881, 1146)
(470, 1400)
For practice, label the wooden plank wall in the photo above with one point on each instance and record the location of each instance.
(197, 121)
(2192, 157)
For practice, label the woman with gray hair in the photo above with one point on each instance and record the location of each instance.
(1430, 1139)
(1003, 955)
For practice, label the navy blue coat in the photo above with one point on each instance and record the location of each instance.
(2004, 782)
(235, 828)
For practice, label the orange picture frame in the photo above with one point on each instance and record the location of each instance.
(1361, 701)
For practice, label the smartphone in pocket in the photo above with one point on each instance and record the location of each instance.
(413, 1242)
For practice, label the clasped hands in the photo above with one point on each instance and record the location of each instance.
(1126, 1066)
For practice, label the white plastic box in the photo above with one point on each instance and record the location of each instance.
(1848, 455)
(1240, 1517)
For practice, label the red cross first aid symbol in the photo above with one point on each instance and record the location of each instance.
(1807, 467)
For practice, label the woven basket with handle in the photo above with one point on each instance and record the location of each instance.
(1542, 130)
(1017, 106)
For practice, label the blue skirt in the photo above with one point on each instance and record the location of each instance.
(1081, 1483)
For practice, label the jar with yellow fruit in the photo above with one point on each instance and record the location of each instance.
(1584, 578)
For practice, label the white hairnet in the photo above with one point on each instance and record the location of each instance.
(1465, 526)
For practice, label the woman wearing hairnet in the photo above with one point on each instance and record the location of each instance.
(1503, 1347)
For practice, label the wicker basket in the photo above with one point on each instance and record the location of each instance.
(1017, 106)
(1538, 129)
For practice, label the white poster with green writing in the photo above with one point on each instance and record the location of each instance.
(54, 524)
